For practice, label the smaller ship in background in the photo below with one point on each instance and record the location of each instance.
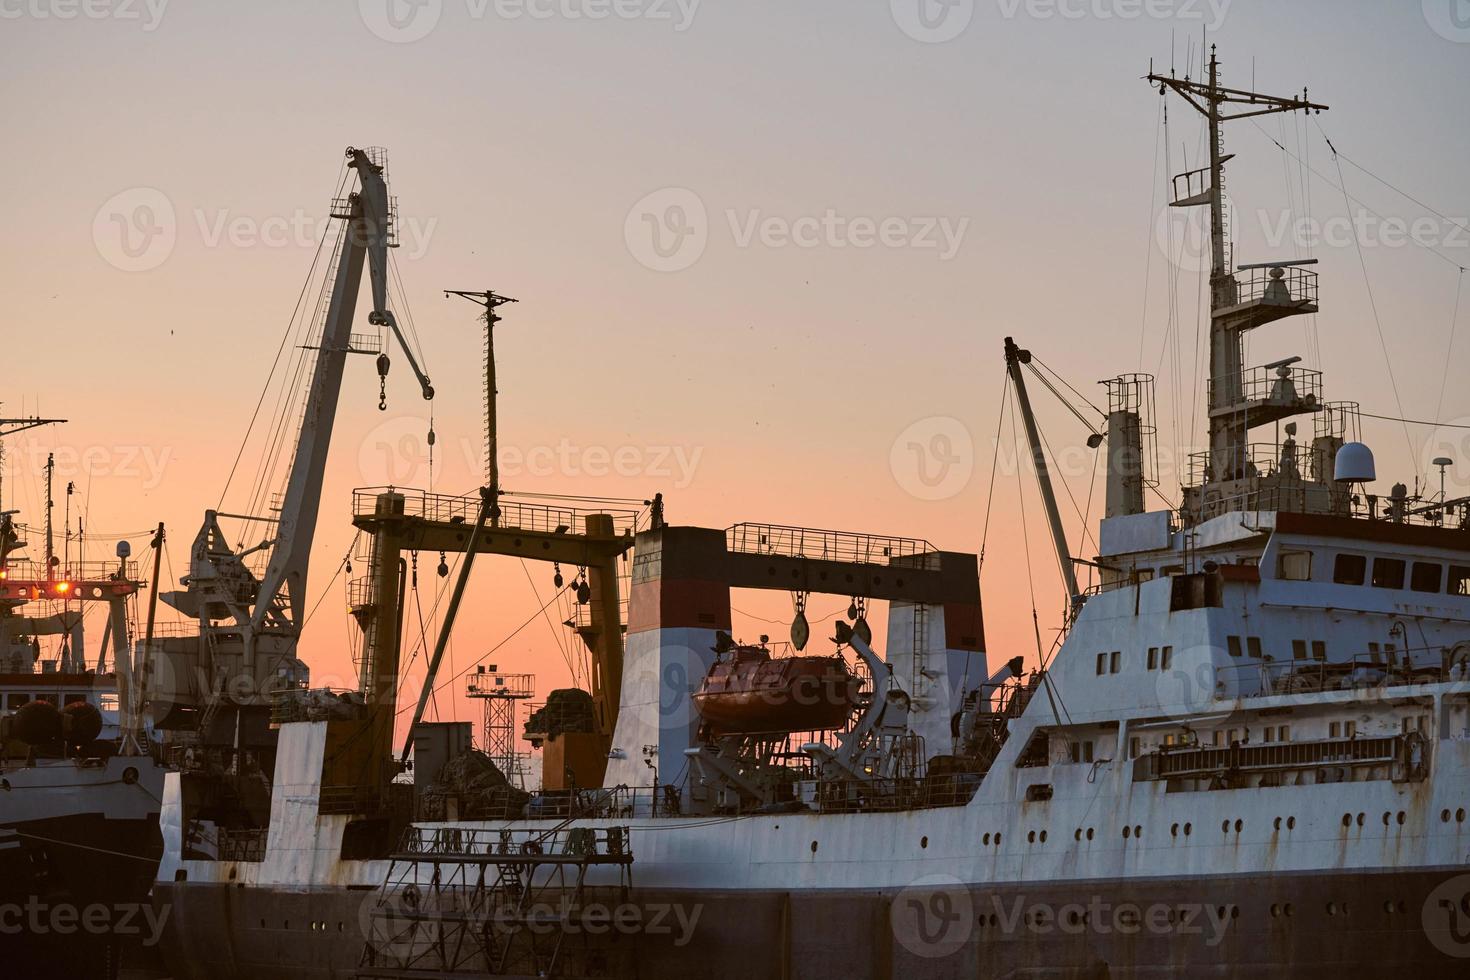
(80, 783)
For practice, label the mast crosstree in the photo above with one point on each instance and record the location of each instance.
(1268, 291)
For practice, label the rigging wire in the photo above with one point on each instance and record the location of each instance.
(341, 177)
(1148, 259)
(555, 633)
(1450, 345)
(1373, 306)
(1005, 391)
(491, 652)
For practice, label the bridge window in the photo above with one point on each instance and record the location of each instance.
(1253, 646)
(1299, 649)
(1296, 566)
(1233, 643)
(1153, 658)
(13, 701)
(1166, 658)
(1459, 580)
(1115, 661)
(1319, 650)
(1102, 664)
(1349, 569)
(1425, 576)
(1388, 573)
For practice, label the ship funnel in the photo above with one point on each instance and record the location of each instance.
(1354, 464)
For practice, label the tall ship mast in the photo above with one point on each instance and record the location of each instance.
(80, 773)
(1246, 757)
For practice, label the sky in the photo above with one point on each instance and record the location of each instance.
(765, 253)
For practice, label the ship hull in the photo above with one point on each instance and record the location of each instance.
(82, 847)
(1285, 925)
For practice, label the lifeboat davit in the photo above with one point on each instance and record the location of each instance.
(749, 692)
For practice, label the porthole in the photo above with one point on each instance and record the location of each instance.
(1127, 832)
(1238, 825)
(1402, 907)
(1043, 837)
(1388, 906)
(1138, 830)
(1347, 819)
(1287, 909)
(1275, 910)
(1089, 833)
(1291, 823)
(987, 840)
(923, 841)
(1276, 824)
(1174, 830)
(1460, 816)
(1444, 816)
(1188, 828)
(1360, 819)
(1078, 834)
(814, 847)
(1225, 826)
(1031, 837)
(1331, 908)
(997, 840)
(1386, 817)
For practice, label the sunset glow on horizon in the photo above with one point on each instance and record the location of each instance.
(768, 274)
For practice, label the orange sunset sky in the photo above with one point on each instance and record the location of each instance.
(766, 253)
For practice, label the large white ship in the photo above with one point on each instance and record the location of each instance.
(1249, 757)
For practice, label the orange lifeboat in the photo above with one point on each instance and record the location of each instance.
(749, 692)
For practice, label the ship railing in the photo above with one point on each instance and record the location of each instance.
(567, 515)
(26, 570)
(347, 799)
(1195, 762)
(1295, 286)
(1267, 460)
(892, 795)
(1364, 671)
(1298, 388)
(173, 628)
(845, 546)
(241, 845)
(494, 684)
(589, 845)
